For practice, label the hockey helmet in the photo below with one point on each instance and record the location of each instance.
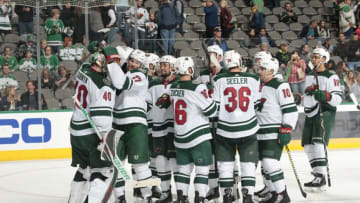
(98, 59)
(215, 49)
(171, 60)
(262, 55)
(270, 64)
(138, 55)
(232, 59)
(151, 59)
(183, 64)
(323, 53)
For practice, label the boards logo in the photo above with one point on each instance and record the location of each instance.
(24, 131)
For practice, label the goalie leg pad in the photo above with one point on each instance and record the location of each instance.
(143, 172)
(101, 181)
(273, 170)
(80, 185)
(115, 146)
(182, 178)
(201, 180)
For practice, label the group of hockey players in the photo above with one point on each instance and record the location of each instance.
(167, 124)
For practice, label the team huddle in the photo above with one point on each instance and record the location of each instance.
(151, 111)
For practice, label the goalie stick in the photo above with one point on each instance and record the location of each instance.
(114, 158)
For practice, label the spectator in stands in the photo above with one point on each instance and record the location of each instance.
(5, 13)
(121, 8)
(218, 40)
(253, 39)
(323, 31)
(356, 87)
(225, 20)
(168, 20)
(331, 65)
(26, 18)
(273, 4)
(68, 50)
(79, 29)
(43, 45)
(29, 45)
(28, 63)
(142, 17)
(81, 51)
(263, 37)
(310, 31)
(358, 29)
(179, 5)
(6, 78)
(211, 17)
(265, 47)
(257, 19)
(288, 16)
(327, 45)
(10, 60)
(67, 15)
(347, 18)
(46, 80)
(10, 101)
(295, 73)
(152, 32)
(62, 77)
(353, 52)
(96, 26)
(29, 99)
(305, 53)
(259, 4)
(341, 47)
(54, 28)
(49, 61)
(108, 17)
(283, 55)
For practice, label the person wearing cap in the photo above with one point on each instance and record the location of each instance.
(283, 55)
(10, 60)
(218, 40)
(211, 17)
(28, 45)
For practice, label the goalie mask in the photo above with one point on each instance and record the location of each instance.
(232, 59)
(185, 66)
(98, 59)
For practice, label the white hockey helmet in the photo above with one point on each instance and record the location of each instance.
(215, 49)
(183, 64)
(138, 55)
(232, 59)
(124, 52)
(262, 55)
(323, 53)
(171, 60)
(270, 64)
(151, 59)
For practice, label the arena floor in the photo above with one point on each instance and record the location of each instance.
(48, 181)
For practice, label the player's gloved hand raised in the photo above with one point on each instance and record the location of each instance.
(310, 90)
(297, 98)
(111, 55)
(260, 105)
(322, 96)
(163, 102)
(284, 135)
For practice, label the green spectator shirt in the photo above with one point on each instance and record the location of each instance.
(13, 64)
(52, 63)
(260, 4)
(54, 38)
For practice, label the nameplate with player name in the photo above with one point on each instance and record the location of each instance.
(178, 93)
(81, 77)
(237, 80)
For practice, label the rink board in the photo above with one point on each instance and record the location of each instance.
(44, 134)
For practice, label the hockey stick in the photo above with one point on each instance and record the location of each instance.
(352, 96)
(295, 173)
(115, 159)
(323, 133)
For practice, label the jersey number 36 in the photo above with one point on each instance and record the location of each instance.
(237, 98)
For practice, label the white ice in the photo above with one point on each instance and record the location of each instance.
(48, 181)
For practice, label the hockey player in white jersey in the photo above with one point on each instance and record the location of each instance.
(162, 130)
(151, 63)
(258, 57)
(192, 106)
(277, 115)
(130, 117)
(97, 96)
(236, 93)
(322, 89)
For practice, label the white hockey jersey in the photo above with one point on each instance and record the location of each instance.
(236, 95)
(327, 81)
(97, 96)
(192, 106)
(162, 119)
(278, 108)
(130, 105)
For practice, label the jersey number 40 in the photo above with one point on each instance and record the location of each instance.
(237, 98)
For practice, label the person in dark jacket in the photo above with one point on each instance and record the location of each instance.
(288, 16)
(179, 5)
(211, 18)
(283, 55)
(168, 20)
(310, 31)
(79, 29)
(341, 47)
(353, 52)
(26, 16)
(218, 40)
(29, 99)
(263, 37)
(225, 19)
(108, 17)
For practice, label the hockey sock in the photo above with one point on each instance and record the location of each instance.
(266, 179)
(80, 185)
(316, 155)
(143, 172)
(248, 171)
(201, 180)
(182, 178)
(213, 175)
(164, 172)
(274, 172)
(101, 181)
(226, 172)
(153, 167)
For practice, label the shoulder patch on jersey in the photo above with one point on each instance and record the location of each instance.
(188, 85)
(274, 83)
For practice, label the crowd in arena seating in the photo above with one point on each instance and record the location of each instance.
(289, 30)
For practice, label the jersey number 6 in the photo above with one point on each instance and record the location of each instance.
(180, 113)
(243, 99)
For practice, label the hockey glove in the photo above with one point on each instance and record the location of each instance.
(260, 105)
(284, 135)
(322, 96)
(111, 55)
(311, 89)
(163, 102)
(297, 98)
